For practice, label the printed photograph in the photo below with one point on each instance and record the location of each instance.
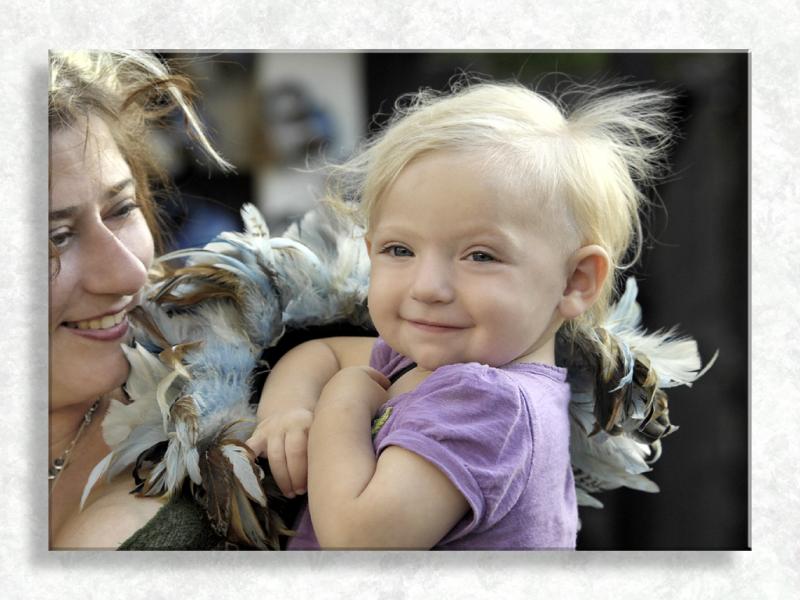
(399, 300)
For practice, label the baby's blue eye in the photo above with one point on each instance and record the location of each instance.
(398, 251)
(481, 257)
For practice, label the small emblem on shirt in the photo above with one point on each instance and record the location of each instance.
(380, 420)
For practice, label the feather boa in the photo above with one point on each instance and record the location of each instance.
(197, 342)
(198, 339)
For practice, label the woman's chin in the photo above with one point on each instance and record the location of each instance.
(86, 375)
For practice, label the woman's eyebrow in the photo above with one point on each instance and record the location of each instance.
(111, 192)
(63, 213)
(115, 189)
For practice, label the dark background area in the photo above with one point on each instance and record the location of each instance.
(694, 272)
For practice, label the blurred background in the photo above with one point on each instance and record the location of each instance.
(278, 115)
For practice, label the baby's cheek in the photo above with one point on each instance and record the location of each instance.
(499, 349)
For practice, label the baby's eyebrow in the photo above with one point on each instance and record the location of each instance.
(493, 234)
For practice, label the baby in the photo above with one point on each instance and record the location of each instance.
(492, 221)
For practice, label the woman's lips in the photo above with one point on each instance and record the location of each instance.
(106, 328)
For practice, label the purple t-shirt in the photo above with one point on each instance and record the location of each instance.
(501, 435)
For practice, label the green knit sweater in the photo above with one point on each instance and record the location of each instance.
(182, 524)
(179, 525)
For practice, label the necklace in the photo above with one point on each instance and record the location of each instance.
(60, 463)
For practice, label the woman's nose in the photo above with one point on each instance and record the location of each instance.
(432, 282)
(112, 264)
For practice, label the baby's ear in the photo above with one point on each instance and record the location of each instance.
(588, 271)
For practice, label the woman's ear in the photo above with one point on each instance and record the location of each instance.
(588, 271)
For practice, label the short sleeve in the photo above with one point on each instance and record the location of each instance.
(471, 422)
(384, 359)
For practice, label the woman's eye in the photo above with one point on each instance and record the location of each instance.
(398, 251)
(124, 209)
(60, 238)
(481, 257)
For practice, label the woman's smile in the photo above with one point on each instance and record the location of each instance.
(104, 328)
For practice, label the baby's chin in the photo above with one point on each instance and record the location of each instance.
(433, 358)
(430, 363)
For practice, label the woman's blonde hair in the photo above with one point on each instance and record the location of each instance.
(589, 153)
(131, 91)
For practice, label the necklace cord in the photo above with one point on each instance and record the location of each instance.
(61, 462)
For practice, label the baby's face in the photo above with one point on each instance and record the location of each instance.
(461, 271)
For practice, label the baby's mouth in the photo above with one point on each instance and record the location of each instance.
(106, 322)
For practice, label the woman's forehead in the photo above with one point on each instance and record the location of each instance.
(85, 159)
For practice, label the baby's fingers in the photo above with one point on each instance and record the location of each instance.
(258, 442)
(296, 447)
(273, 451)
(277, 465)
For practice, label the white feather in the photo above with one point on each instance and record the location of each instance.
(193, 465)
(159, 486)
(584, 499)
(609, 456)
(254, 223)
(121, 418)
(94, 476)
(185, 433)
(242, 466)
(175, 464)
(146, 371)
(140, 439)
(167, 391)
(287, 244)
(675, 360)
(626, 313)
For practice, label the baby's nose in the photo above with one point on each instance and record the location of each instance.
(432, 282)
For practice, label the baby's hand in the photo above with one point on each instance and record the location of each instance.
(283, 439)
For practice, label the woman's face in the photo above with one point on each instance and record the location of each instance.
(105, 249)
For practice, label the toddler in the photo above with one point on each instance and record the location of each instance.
(493, 218)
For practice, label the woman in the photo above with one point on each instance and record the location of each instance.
(103, 236)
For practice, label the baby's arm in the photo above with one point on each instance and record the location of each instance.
(286, 407)
(399, 500)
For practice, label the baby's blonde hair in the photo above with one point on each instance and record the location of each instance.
(590, 153)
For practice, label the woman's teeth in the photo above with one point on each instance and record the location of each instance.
(105, 323)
